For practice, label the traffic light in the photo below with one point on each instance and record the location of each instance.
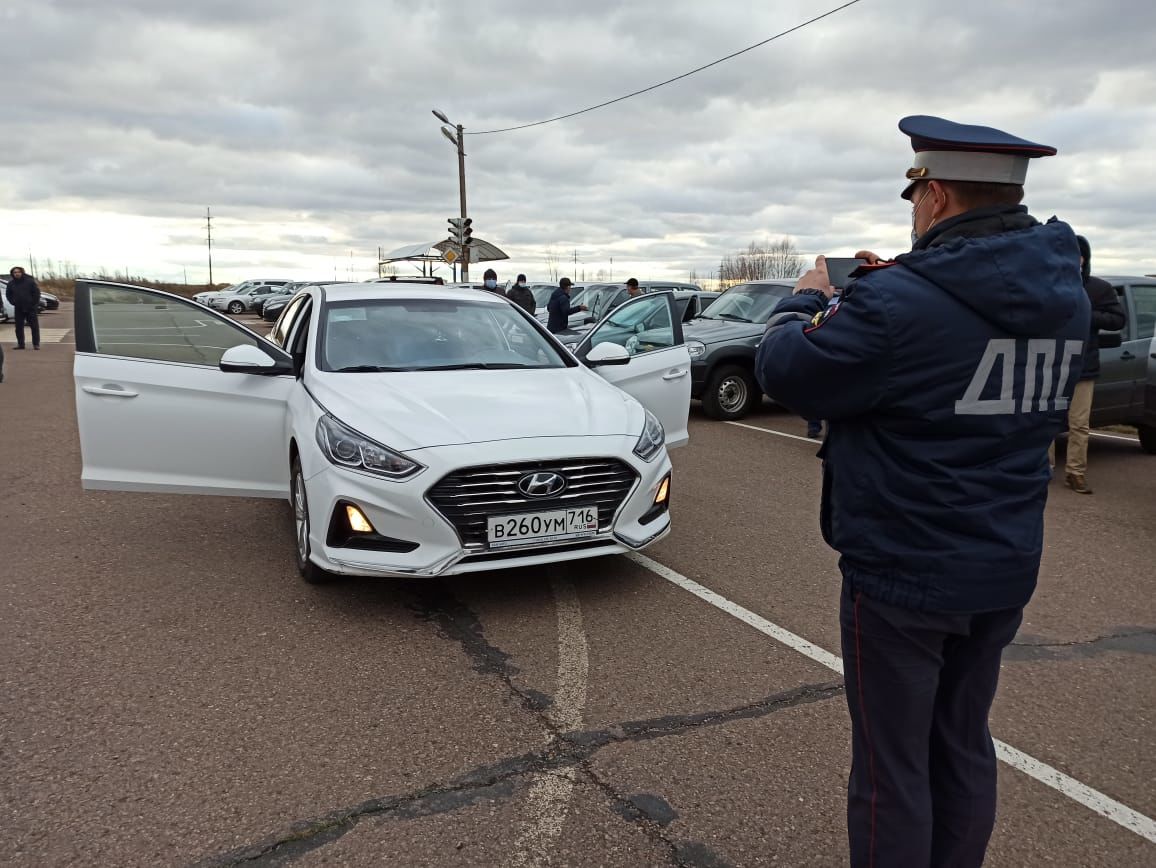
(460, 231)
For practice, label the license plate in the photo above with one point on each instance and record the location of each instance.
(531, 527)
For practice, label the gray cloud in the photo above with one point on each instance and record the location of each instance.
(316, 116)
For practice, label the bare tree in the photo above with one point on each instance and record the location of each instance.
(760, 261)
(553, 264)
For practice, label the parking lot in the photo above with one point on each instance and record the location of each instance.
(174, 694)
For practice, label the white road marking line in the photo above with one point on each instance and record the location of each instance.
(1092, 799)
(549, 797)
(772, 431)
(1115, 436)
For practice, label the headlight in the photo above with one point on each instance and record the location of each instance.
(651, 440)
(697, 349)
(346, 448)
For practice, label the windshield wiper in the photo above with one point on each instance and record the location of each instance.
(368, 369)
(480, 366)
(731, 316)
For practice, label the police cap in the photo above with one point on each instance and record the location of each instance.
(947, 151)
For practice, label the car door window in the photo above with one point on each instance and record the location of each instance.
(641, 326)
(1144, 305)
(141, 324)
(285, 321)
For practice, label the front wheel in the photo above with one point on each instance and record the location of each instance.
(236, 307)
(1148, 438)
(299, 500)
(730, 393)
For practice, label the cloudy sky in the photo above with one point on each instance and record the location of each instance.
(306, 126)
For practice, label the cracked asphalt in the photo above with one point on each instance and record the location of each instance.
(172, 694)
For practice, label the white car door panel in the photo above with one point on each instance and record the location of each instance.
(658, 373)
(154, 410)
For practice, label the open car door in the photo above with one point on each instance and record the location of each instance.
(157, 411)
(649, 328)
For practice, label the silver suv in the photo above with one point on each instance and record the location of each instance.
(1125, 393)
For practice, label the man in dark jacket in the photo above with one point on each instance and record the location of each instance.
(520, 295)
(1107, 315)
(24, 295)
(944, 375)
(560, 308)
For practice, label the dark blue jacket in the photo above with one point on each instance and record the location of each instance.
(560, 311)
(945, 377)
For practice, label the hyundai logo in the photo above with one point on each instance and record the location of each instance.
(542, 484)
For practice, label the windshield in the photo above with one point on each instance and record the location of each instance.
(430, 335)
(599, 298)
(747, 302)
(542, 294)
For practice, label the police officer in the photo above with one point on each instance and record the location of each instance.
(560, 308)
(944, 376)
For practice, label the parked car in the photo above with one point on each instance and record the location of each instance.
(205, 297)
(48, 301)
(274, 306)
(257, 305)
(423, 431)
(240, 302)
(688, 304)
(1123, 394)
(722, 342)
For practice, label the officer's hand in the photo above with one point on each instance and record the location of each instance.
(583, 307)
(872, 258)
(817, 278)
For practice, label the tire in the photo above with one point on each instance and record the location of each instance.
(236, 307)
(1148, 438)
(730, 393)
(299, 503)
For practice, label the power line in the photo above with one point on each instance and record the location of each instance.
(669, 80)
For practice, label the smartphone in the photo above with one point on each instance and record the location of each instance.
(839, 270)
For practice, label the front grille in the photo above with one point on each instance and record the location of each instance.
(468, 497)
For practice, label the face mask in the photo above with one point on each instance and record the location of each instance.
(491, 283)
(915, 211)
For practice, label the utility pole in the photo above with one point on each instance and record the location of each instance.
(457, 138)
(209, 229)
(575, 263)
(612, 269)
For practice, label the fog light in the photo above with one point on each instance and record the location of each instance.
(663, 492)
(358, 523)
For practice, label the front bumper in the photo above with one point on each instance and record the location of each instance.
(402, 511)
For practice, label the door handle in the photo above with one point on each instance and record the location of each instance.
(1126, 356)
(674, 375)
(110, 390)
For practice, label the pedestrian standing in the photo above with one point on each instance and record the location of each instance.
(632, 289)
(490, 281)
(560, 308)
(520, 295)
(24, 296)
(1107, 315)
(943, 377)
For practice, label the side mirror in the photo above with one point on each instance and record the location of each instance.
(1110, 340)
(607, 353)
(247, 359)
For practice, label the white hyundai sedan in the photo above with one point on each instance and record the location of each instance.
(422, 430)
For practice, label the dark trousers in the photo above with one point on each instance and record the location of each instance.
(919, 687)
(33, 321)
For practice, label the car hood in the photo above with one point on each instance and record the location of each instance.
(713, 331)
(419, 410)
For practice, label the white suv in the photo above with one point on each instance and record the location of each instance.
(416, 430)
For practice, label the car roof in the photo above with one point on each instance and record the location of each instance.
(767, 281)
(426, 291)
(1124, 278)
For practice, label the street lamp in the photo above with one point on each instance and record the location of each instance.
(457, 139)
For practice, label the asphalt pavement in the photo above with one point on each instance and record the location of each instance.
(173, 694)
